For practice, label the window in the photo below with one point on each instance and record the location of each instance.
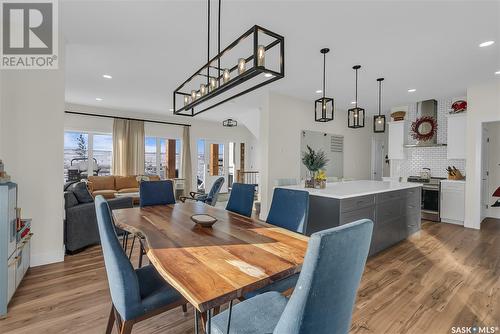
(150, 156)
(75, 154)
(103, 153)
(200, 169)
(79, 147)
(162, 157)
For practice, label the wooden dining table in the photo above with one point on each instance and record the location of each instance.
(210, 266)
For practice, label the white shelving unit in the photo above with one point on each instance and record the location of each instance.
(14, 246)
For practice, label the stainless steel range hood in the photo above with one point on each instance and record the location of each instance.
(427, 108)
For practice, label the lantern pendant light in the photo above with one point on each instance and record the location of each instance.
(379, 120)
(323, 107)
(356, 115)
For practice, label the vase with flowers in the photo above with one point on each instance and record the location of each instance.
(321, 179)
(314, 161)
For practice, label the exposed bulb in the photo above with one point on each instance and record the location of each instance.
(226, 76)
(213, 84)
(186, 100)
(261, 55)
(203, 89)
(241, 66)
(193, 95)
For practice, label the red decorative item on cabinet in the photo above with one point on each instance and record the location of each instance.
(459, 106)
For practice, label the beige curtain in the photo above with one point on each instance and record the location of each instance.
(187, 170)
(128, 147)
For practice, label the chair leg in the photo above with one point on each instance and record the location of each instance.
(127, 327)
(184, 308)
(118, 320)
(216, 310)
(111, 321)
(132, 247)
(141, 253)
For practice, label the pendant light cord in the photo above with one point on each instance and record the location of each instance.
(218, 37)
(324, 75)
(208, 42)
(356, 98)
(379, 96)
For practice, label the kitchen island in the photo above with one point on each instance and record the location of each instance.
(394, 207)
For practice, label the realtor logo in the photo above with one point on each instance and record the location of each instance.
(29, 34)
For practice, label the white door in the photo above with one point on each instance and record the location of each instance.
(216, 163)
(485, 198)
(377, 159)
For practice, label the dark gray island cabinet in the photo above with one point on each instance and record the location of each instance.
(394, 209)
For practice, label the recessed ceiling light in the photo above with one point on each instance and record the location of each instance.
(268, 75)
(497, 72)
(107, 76)
(319, 91)
(487, 43)
(353, 102)
(412, 90)
(99, 99)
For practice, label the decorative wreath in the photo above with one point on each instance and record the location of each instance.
(416, 134)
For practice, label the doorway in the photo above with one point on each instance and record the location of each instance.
(216, 164)
(377, 163)
(490, 169)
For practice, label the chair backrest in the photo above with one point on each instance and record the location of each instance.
(286, 182)
(214, 191)
(323, 299)
(241, 199)
(289, 209)
(156, 193)
(122, 278)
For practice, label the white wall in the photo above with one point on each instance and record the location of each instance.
(282, 120)
(31, 141)
(483, 106)
(493, 166)
(200, 129)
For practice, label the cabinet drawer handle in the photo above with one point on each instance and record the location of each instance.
(13, 262)
(411, 206)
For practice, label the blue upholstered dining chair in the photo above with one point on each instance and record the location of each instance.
(156, 193)
(210, 198)
(136, 294)
(241, 199)
(324, 297)
(289, 210)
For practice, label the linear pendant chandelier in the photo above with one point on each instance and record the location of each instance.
(379, 120)
(253, 60)
(324, 106)
(356, 115)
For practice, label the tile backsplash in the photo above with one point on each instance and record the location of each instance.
(431, 157)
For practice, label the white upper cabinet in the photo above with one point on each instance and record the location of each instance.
(457, 136)
(397, 139)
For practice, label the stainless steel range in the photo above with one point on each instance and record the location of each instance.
(431, 188)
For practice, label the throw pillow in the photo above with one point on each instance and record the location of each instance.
(81, 192)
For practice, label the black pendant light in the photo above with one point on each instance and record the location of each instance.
(223, 78)
(379, 120)
(323, 107)
(356, 115)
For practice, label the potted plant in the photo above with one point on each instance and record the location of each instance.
(314, 161)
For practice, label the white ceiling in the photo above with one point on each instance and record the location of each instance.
(150, 47)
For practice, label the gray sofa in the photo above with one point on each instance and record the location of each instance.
(80, 225)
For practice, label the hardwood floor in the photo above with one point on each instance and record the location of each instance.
(445, 276)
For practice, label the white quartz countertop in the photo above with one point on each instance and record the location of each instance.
(348, 189)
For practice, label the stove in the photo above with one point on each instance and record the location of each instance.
(431, 188)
